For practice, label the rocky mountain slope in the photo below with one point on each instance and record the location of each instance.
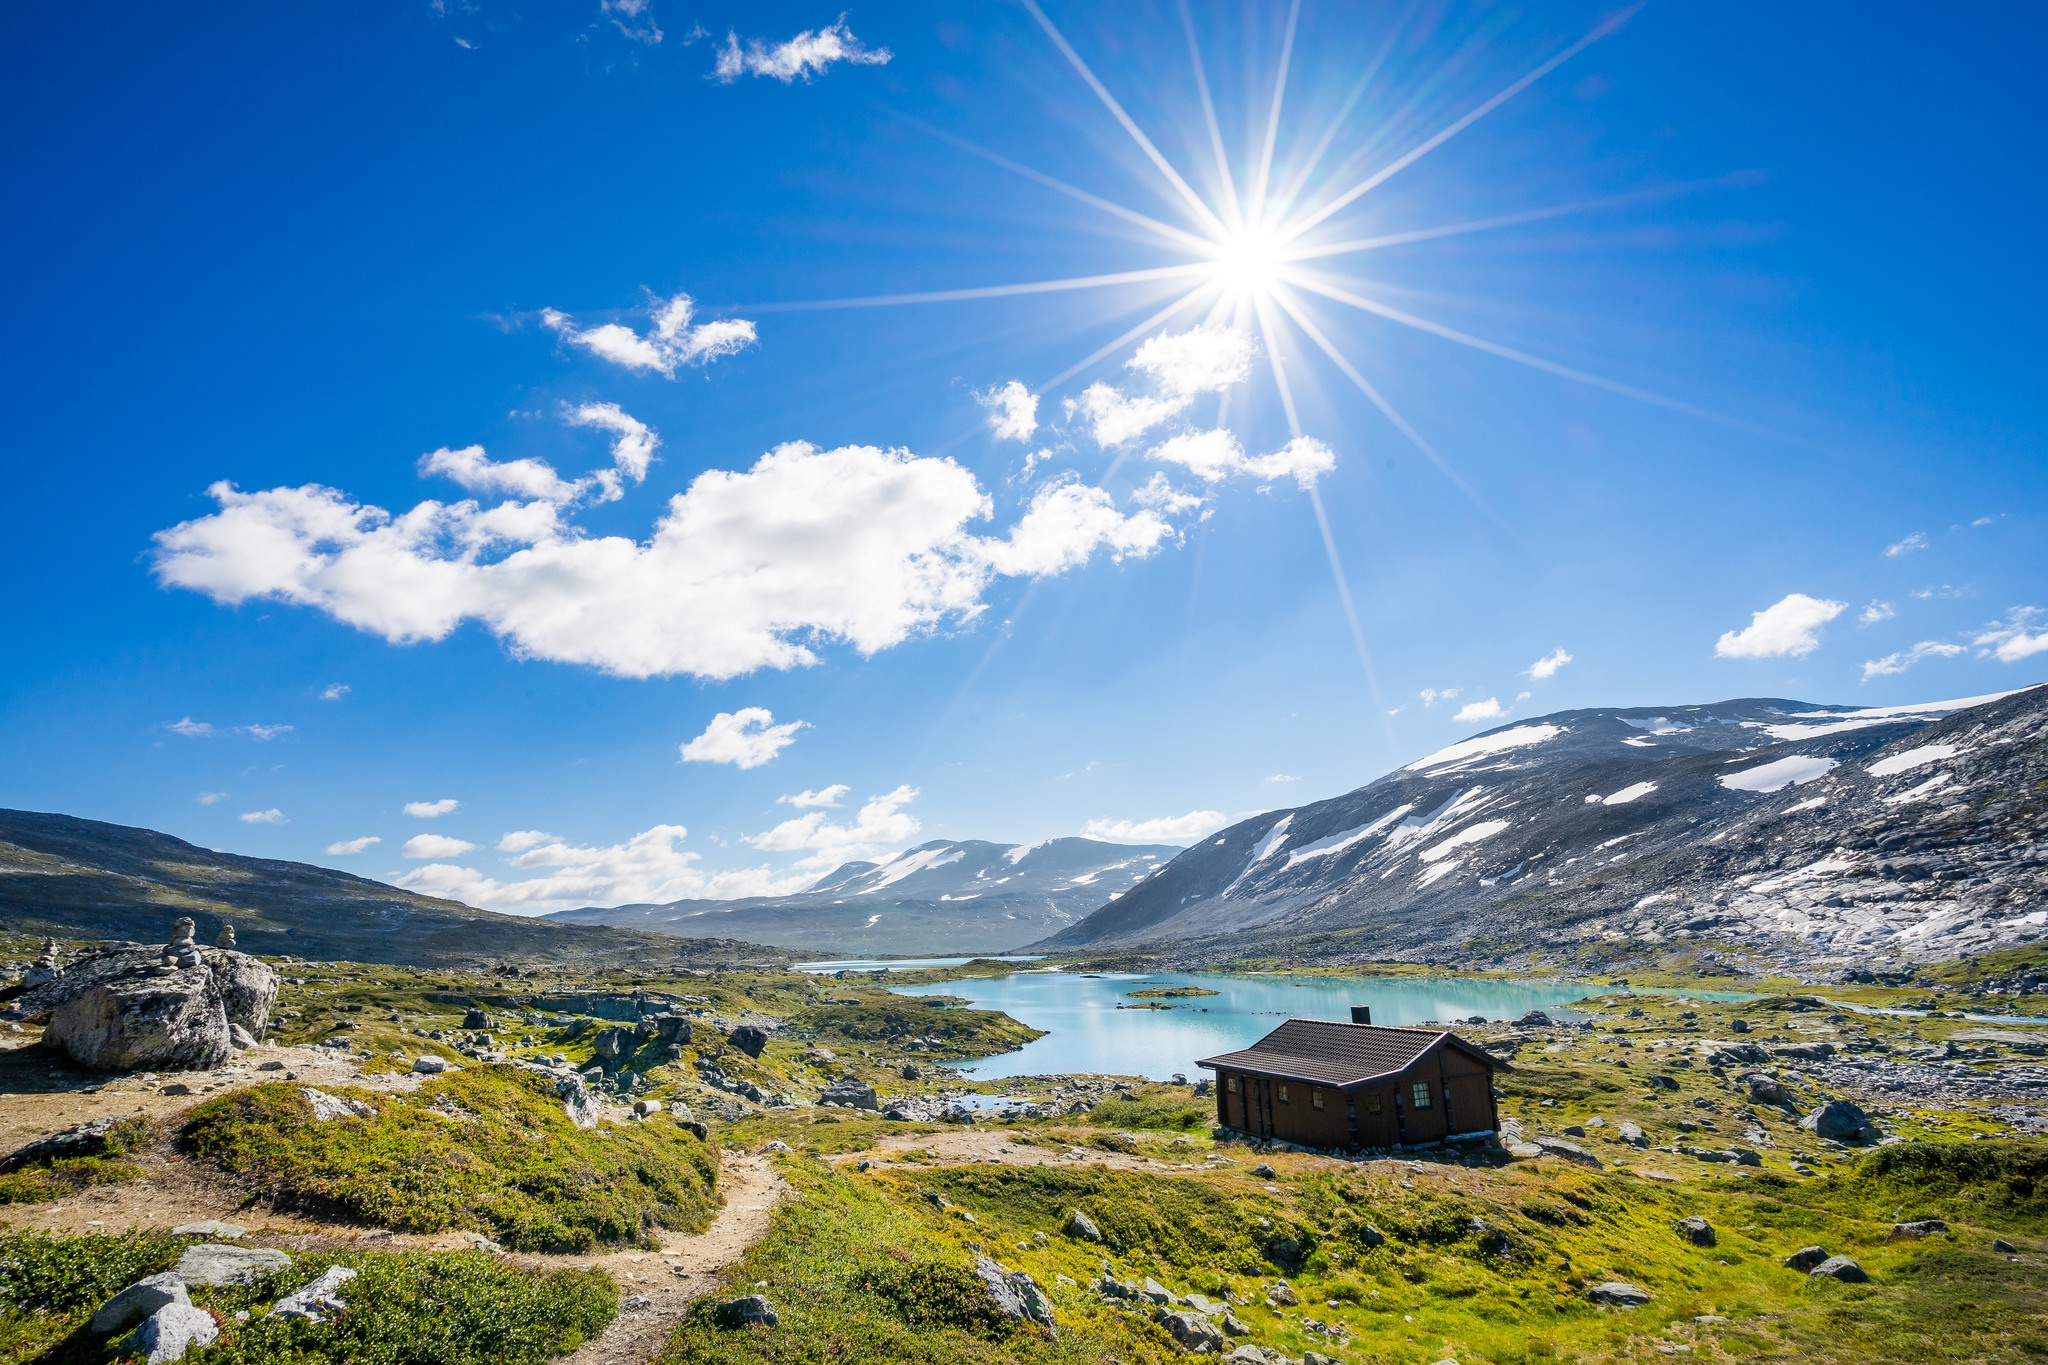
(75, 878)
(966, 896)
(1810, 833)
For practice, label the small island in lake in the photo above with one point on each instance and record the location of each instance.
(1170, 992)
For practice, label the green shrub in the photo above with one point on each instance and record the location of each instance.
(1153, 1111)
(37, 1182)
(46, 1272)
(2003, 1184)
(488, 1149)
(929, 1293)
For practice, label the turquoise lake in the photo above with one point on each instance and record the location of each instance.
(1087, 1033)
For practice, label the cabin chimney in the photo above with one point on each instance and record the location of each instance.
(1361, 1014)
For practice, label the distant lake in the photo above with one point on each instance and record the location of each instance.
(873, 964)
(1087, 1033)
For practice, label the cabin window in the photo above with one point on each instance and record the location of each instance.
(1372, 1102)
(1315, 1098)
(1422, 1094)
(1280, 1092)
(1232, 1083)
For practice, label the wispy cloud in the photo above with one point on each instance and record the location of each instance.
(348, 846)
(1012, 411)
(1162, 829)
(1897, 549)
(827, 797)
(633, 18)
(190, 728)
(1906, 658)
(2014, 638)
(1283, 777)
(1549, 664)
(273, 816)
(746, 738)
(1432, 695)
(1215, 454)
(810, 53)
(211, 798)
(673, 342)
(1789, 628)
(263, 731)
(431, 810)
(334, 692)
(1875, 612)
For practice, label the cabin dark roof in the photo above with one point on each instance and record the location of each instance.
(1338, 1054)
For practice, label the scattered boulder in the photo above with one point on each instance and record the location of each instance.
(1632, 1134)
(136, 1008)
(1696, 1230)
(1570, 1151)
(1193, 1332)
(611, 1046)
(476, 1019)
(1770, 1090)
(138, 1301)
(673, 1028)
(749, 1038)
(1841, 1268)
(635, 1303)
(1738, 1025)
(1913, 1232)
(170, 1332)
(328, 1107)
(583, 1108)
(95, 1137)
(1806, 1258)
(1264, 1171)
(214, 1263)
(1841, 1121)
(2003, 1247)
(1534, 1019)
(751, 1310)
(1079, 1224)
(1015, 1293)
(1617, 1294)
(912, 1071)
(1806, 1052)
(851, 1092)
(316, 1301)
(1283, 1294)
(432, 1066)
(212, 1229)
(1155, 1292)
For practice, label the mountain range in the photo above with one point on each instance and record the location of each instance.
(1774, 829)
(965, 896)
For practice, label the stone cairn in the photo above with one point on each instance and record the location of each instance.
(182, 951)
(227, 938)
(45, 969)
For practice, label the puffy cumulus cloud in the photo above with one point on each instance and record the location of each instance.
(1164, 829)
(1012, 411)
(1875, 612)
(810, 53)
(470, 468)
(1215, 455)
(1547, 666)
(273, 816)
(1490, 709)
(2015, 638)
(348, 846)
(633, 445)
(1159, 494)
(1916, 541)
(880, 824)
(1906, 658)
(745, 570)
(1789, 628)
(436, 846)
(649, 867)
(824, 797)
(746, 738)
(674, 340)
(1181, 365)
(431, 810)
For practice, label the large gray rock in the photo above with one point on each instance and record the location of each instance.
(1770, 1090)
(1806, 1258)
(94, 1137)
(1570, 1151)
(1842, 1121)
(138, 1301)
(749, 1038)
(1192, 1331)
(1079, 1224)
(853, 1093)
(317, 1301)
(751, 1310)
(170, 1332)
(1913, 1232)
(216, 1263)
(1015, 1292)
(583, 1108)
(127, 1009)
(1841, 1268)
(1696, 1230)
(1618, 1294)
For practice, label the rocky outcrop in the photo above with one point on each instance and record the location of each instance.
(134, 1008)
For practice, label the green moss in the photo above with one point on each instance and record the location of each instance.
(1174, 1113)
(37, 1182)
(488, 1149)
(2000, 1184)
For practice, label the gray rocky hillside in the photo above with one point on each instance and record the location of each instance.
(1808, 833)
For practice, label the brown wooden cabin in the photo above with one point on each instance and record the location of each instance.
(1352, 1086)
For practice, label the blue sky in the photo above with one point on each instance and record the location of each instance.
(536, 467)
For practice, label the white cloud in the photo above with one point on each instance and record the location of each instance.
(273, 816)
(436, 846)
(1181, 366)
(431, 810)
(810, 52)
(745, 738)
(669, 345)
(1916, 541)
(190, 728)
(1012, 411)
(2011, 640)
(633, 18)
(647, 868)
(1875, 612)
(881, 823)
(348, 846)
(263, 731)
(1215, 454)
(1432, 695)
(633, 446)
(1547, 666)
(470, 468)
(211, 798)
(825, 797)
(334, 692)
(745, 570)
(1906, 658)
(1490, 709)
(1789, 628)
(1160, 495)
(1164, 829)
(1283, 777)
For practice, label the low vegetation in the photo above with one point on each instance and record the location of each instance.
(41, 1180)
(488, 1149)
(462, 1308)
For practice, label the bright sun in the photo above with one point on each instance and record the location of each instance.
(1248, 261)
